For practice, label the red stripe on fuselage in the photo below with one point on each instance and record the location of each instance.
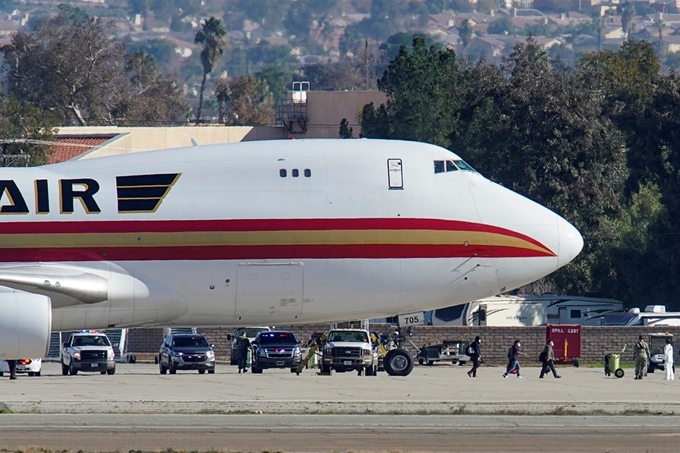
(203, 253)
(172, 226)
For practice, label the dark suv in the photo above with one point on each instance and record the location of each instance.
(276, 349)
(186, 352)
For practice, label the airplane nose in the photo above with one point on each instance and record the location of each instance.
(570, 242)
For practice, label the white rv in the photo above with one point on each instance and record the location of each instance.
(654, 315)
(527, 310)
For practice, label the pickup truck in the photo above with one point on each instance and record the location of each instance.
(87, 351)
(349, 350)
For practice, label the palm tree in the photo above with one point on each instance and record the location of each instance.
(212, 36)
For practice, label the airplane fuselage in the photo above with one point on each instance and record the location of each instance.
(268, 233)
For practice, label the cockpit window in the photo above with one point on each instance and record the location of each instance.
(450, 166)
(464, 166)
(438, 166)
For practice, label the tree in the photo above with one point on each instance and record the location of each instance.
(345, 131)
(25, 132)
(152, 98)
(423, 94)
(245, 101)
(278, 80)
(627, 14)
(68, 66)
(502, 25)
(466, 33)
(212, 36)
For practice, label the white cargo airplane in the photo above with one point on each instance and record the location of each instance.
(273, 232)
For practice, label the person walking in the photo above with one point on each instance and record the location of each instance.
(547, 357)
(12, 364)
(513, 359)
(475, 355)
(668, 364)
(242, 345)
(641, 357)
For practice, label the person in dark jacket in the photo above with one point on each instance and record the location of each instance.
(242, 346)
(12, 364)
(548, 360)
(475, 356)
(513, 359)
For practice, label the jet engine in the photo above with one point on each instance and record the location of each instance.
(25, 325)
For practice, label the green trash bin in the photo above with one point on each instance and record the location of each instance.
(614, 363)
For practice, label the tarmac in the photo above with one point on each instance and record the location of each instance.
(436, 408)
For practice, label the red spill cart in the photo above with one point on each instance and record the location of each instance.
(567, 339)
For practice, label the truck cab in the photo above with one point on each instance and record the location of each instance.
(349, 350)
(88, 351)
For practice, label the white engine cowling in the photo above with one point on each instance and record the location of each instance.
(25, 325)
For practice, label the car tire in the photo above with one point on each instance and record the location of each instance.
(651, 368)
(102, 372)
(30, 373)
(398, 362)
(293, 370)
(111, 371)
(172, 369)
(72, 370)
(64, 369)
(155, 360)
(371, 371)
(201, 371)
(162, 369)
(211, 371)
(37, 373)
(255, 370)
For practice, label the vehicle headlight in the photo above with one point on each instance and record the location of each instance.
(210, 354)
(76, 355)
(262, 352)
(328, 351)
(177, 354)
(110, 355)
(367, 352)
(297, 351)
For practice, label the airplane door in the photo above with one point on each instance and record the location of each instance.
(270, 291)
(395, 174)
(562, 313)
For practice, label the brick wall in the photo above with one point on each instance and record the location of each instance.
(595, 341)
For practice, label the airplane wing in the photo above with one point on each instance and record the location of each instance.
(66, 286)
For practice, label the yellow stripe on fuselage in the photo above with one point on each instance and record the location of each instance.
(264, 238)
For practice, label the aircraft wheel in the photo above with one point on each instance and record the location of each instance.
(398, 362)
(619, 373)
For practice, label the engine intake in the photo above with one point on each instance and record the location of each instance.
(25, 325)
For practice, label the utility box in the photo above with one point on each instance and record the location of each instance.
(567, 339)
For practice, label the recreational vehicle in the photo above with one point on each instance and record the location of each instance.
(654, 315)
(527, 310)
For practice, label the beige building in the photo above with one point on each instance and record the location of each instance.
(305, 114)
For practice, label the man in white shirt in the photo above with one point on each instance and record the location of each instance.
(668, 360)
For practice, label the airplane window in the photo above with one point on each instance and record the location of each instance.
(438, 166)
(283, 173)
(576, 313)
(308, 173)
(295, 173)
(464, 166)
(450, 166)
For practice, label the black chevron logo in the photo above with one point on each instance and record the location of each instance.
(143, 193)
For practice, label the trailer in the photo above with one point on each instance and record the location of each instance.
(527, 310)
(448, 351)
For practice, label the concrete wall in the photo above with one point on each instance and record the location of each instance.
(325, 110)
(136, 139)
(595, 341)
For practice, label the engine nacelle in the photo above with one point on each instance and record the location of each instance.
(25, 325)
